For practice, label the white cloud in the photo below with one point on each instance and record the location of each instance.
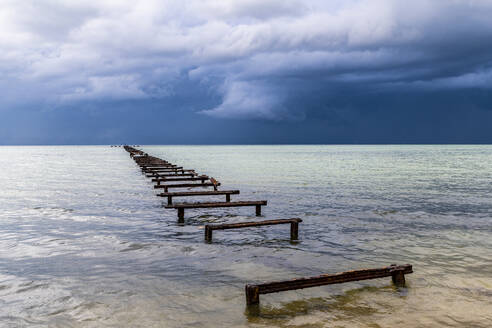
(248, 99)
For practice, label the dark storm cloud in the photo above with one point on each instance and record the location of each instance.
(336, 63)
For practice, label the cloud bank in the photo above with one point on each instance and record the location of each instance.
(256, 59)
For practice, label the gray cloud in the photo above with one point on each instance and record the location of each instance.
(257, 57)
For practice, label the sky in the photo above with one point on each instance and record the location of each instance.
(245, 72)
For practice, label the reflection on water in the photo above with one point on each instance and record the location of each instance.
(86, 243)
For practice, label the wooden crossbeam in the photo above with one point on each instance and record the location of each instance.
(158, 173)
(170, 195)
(154, 163)
(294, 226)
(174, 174)
(166, 187)
(181, 207)
(180, 177)
(158, 167)
(397, 272)
(199, 178)
(145, 161)
(163, 169)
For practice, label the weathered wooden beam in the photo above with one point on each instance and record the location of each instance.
(165, 169)
(184, 185)
(219, 204)
(253, 291)
(149, 166)
(157, 174)
(294, 233)
(151, 162)
(146, 162)
(170, 195)
(146, 158)
(181, 206)
(177, 174)
(158, 167)
(199, 178)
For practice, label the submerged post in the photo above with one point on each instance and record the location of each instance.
(252, 294)
(181, 213)
(208, 233)
(294, 230)
(398, 277)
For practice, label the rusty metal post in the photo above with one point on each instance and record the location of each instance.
(169, 200)
(252, 294)
(228, 198)
(294, 230)
(208, 233)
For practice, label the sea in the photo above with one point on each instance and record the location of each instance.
(86, 242)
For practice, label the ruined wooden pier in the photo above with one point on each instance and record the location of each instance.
(170, 176)
(167, 176)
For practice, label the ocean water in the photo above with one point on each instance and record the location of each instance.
(84, 241)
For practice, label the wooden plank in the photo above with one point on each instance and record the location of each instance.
(181, 207)
(153, 162)
(198, 178)
(148, 161)
(165, 169)
(294, 226)
(158, 167)
(397, 272)
(218, 204)
(170, 175)
(145, 162)
(151, 165)
(184, 185)
(170, 195)
(157, 174)
(199, 193)
(173, 170)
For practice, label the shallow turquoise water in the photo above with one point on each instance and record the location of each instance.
(86, 243)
